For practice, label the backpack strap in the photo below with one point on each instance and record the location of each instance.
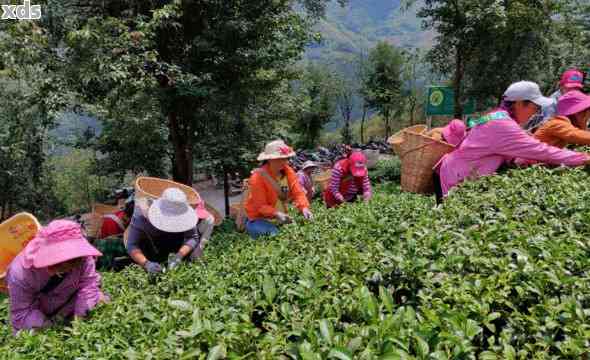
(240, 218)
(116, 219)
(283, 196)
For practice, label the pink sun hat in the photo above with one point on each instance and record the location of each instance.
(58, 242)
(358, 164)
(572, 102)
(572, 79)
(454, 132)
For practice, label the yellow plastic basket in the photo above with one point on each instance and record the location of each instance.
(15, 234)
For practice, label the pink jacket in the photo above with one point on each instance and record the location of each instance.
(32, 308)
(486, 147)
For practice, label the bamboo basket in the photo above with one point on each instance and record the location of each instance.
(216, 214)
(397, 139)
(152, 188)
(93, 222)
(234, 210)
(419, 155)
(323, 179)
(15, 234)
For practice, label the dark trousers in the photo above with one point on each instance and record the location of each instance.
(437, 188)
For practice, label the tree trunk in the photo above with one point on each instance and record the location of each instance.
(457, 83)
(226, 191)
(3, 210)
(412, 110)
(363, 124)
(182, 168)
(386, 119)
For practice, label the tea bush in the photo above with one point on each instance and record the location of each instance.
(500, 271)
(389, 170)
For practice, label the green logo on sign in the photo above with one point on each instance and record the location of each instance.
(436, 98)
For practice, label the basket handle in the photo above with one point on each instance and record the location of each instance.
(416, 149)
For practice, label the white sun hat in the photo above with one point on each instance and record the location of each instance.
(172, 212)
(526, 90)
(276, 150)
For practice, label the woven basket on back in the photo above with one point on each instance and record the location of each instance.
(93, 222)
(216, 214)
(152, 188)
(419, 155)
(323, 179)
(397, 139)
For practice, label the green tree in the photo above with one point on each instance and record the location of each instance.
(317, 90)
(77, 184)
(28, 112)
(362, 72)
(413, 72)
(203, 61)
(345, 102)
(384, 82)
(483, 46)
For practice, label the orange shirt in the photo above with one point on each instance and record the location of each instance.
(559, 131)
(262, 198)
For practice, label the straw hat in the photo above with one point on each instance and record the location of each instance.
(58, 242)
(276, 150)
(172, 212)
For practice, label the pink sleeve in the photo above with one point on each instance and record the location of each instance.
(25, 312)
(367, 186)
(513, 142)
(89, 288)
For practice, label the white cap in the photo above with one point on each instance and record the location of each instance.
(526, 90)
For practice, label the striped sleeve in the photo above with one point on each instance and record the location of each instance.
(367, 192)
(335, 180)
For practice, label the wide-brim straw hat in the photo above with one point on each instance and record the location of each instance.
(58, 242)
(276, 150)
(172, 213)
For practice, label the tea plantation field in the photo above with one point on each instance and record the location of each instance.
(501, 271)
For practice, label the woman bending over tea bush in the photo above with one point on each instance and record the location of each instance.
(497, 138)
(270, 188)
(54, 278)
(570, 126)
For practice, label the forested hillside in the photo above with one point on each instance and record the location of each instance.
(361, 24)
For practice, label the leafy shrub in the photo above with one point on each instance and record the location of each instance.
(500, 271)
(77, 184)
(389, 170)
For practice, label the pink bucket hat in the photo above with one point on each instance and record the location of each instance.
(572, 102)
(358, 164)
(454, 132)
(58, 242)
(572, 78)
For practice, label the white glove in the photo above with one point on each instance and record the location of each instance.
(283, 218)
